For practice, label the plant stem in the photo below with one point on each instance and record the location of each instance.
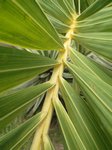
(48, 107)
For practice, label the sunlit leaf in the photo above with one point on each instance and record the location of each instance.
(24, 24)
(91, 134)
(11, 105)
(99, 93)
(18, 66)
(89, 65)
(61, 13)
(99, 22)
(15, 138)
(60, 58)
(99, 42)
(92, 9)
(70, 134)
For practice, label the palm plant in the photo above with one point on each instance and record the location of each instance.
(48, 42)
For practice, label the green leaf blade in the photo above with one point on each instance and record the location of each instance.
(99, 22)
(95, 32)
(83, 119)
(61, 13)
(13, 104)
(94, 7)
(17, 136)
(99, 98)
(23, 25)
(71, 136)
(18, 66)
(99, 42)
(89, 65)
